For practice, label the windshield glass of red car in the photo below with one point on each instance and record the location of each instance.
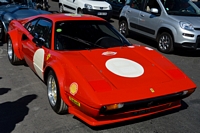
(82, 35)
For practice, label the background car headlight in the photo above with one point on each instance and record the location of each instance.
(186, 26)
(110, 7)
(88, 6)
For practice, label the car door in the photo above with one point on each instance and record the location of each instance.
(133, 12)
(148, 22)
(34, 53)
(70, 5)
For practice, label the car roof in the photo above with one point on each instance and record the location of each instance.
(69, 16)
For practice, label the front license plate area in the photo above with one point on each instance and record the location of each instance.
(102, 13)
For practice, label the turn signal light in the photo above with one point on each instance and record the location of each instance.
(114, 106)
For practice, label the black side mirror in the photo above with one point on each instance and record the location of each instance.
(39, 41)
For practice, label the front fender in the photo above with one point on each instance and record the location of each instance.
(13, 34)
(170, 28)
(59, 71)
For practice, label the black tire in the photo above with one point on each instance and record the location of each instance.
(11, 55)
(53, 93)
(165, 43)
(61, 8)
(123, 28)
(79, 11)
(2, 33)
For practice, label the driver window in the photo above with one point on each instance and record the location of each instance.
(43, 30)
(136, 4)
(152, 4)
(30, 25)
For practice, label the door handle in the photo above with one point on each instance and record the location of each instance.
(142, 15)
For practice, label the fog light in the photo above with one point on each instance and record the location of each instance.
(185, 92)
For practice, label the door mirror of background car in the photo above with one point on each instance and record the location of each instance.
(155, 11)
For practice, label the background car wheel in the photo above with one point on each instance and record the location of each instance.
(80, 11)
(165, 43)
(123, 28)
(11, 55)
(53, 93)
(2, 34)
(61, 8)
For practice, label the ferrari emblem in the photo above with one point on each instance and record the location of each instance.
(152, 90)
(73, 88)
(48, 56)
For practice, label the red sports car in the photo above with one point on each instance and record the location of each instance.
(92, 71)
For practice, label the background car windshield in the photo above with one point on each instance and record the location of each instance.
(82, 35)
(181, 7)
(5, 2)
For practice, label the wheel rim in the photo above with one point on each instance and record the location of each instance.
(1, 31)
(122, 28)
(10, 49)
(52, 90)
(164, 42)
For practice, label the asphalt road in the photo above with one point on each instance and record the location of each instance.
(24, 107)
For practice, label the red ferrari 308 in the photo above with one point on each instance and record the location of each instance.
(92, 71)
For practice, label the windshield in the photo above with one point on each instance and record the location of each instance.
(85, 34)
(5, 2)
(181, 7)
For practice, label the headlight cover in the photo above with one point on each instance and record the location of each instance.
(186, 26)
(110, 7)
(88, 6)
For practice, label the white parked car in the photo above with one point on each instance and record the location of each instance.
(99, 8)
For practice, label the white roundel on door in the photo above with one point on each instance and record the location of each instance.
(124, 67)
(38, 62)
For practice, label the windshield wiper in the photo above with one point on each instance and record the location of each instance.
(82, 41)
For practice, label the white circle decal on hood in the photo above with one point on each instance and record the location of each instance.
(124, 67)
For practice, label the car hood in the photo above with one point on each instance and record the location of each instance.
(194, 20)
(97, 4)
(129, 73)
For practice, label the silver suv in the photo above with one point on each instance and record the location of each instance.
(172, 23)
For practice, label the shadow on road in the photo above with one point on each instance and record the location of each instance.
(114, 125)
(4, 90)
(14, 112)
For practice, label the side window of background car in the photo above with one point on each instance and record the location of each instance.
(152, 4)
(43, 29)
(136, 4)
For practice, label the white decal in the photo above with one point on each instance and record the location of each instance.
(124, 67)
(109, 53)
(131, 46)
(38, 62)
(148, 48)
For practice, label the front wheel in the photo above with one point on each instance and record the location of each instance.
(11, 54)
(53, 93)
(123, 28)
(165, 43)
(2, 34)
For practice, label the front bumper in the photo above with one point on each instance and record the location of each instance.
(187, 39)
(106, 14)
(190, 45)
(120, 117)
(132, 110)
